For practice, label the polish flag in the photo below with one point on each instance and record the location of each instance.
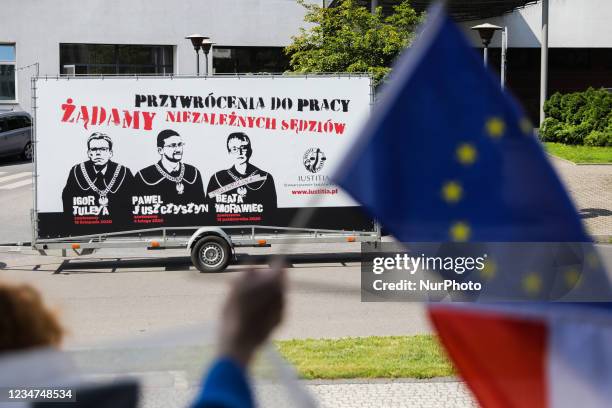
(530, 356)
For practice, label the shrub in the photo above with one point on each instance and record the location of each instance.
(599, 138)
(550, 129)
(579, 118)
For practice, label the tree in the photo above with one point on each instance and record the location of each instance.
(348, 38)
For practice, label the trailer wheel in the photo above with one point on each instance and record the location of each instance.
(210, 254)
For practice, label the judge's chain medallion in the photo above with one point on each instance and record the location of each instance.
(103, 199)
(180, 187)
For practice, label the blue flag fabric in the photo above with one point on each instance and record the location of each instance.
(448, 156)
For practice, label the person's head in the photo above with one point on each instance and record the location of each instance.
(239, 147)
(170, 145)
(99, 148)
(25, 321)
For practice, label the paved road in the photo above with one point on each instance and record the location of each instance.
(15, 200)
(120, 300)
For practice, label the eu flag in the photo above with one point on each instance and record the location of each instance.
(449, 156)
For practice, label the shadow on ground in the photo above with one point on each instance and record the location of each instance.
(594, 212)
(183, 263)
(12, 160)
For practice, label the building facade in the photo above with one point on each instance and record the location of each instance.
(580, 48)
(107, 37)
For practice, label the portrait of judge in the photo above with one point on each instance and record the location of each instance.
(98, 186)
(242, 183)
(170, 178)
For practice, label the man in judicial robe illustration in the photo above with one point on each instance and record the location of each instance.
(174, 181)
(243, 188)
(99, 186)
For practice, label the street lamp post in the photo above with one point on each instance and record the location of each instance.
(206, 46)
(486, 32)
(544, 60)
(504, 60)
(196, 41)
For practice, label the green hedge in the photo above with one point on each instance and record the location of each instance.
(579, 118)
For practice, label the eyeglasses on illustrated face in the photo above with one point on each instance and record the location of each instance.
(99, 149)
(241, 149)
(175, 145)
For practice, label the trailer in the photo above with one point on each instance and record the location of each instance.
(207, 164)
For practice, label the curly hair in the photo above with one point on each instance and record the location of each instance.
(25, 321)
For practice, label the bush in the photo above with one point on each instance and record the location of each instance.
(579, 118)
(599, 138)
(550, 129)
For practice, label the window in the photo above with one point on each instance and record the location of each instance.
(112, 59)
(20, 122)
(232, 60)
(14, 123)
(7, 73)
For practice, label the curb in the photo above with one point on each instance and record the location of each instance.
(552, 156)
(602, 239)
(576, 164)
(382, 381)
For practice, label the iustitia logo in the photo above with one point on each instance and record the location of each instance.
(314, 159)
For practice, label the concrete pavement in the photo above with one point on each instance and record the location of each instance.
(590, 187)
(393, 394)
(15, 200)
(119, 300)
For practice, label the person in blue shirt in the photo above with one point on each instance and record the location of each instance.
(253, 309)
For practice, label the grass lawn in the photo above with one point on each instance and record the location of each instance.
(580, 154)
(367, 357)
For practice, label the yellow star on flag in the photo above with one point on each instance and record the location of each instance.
(572, 277)
(452, 192)
(460, 232)
(532, 283)
(495, 127)
(489, 270)
(466, 154)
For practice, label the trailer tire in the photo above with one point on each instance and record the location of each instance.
(210, 254)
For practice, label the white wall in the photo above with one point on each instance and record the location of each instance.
(39, 26)
(572, 24)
